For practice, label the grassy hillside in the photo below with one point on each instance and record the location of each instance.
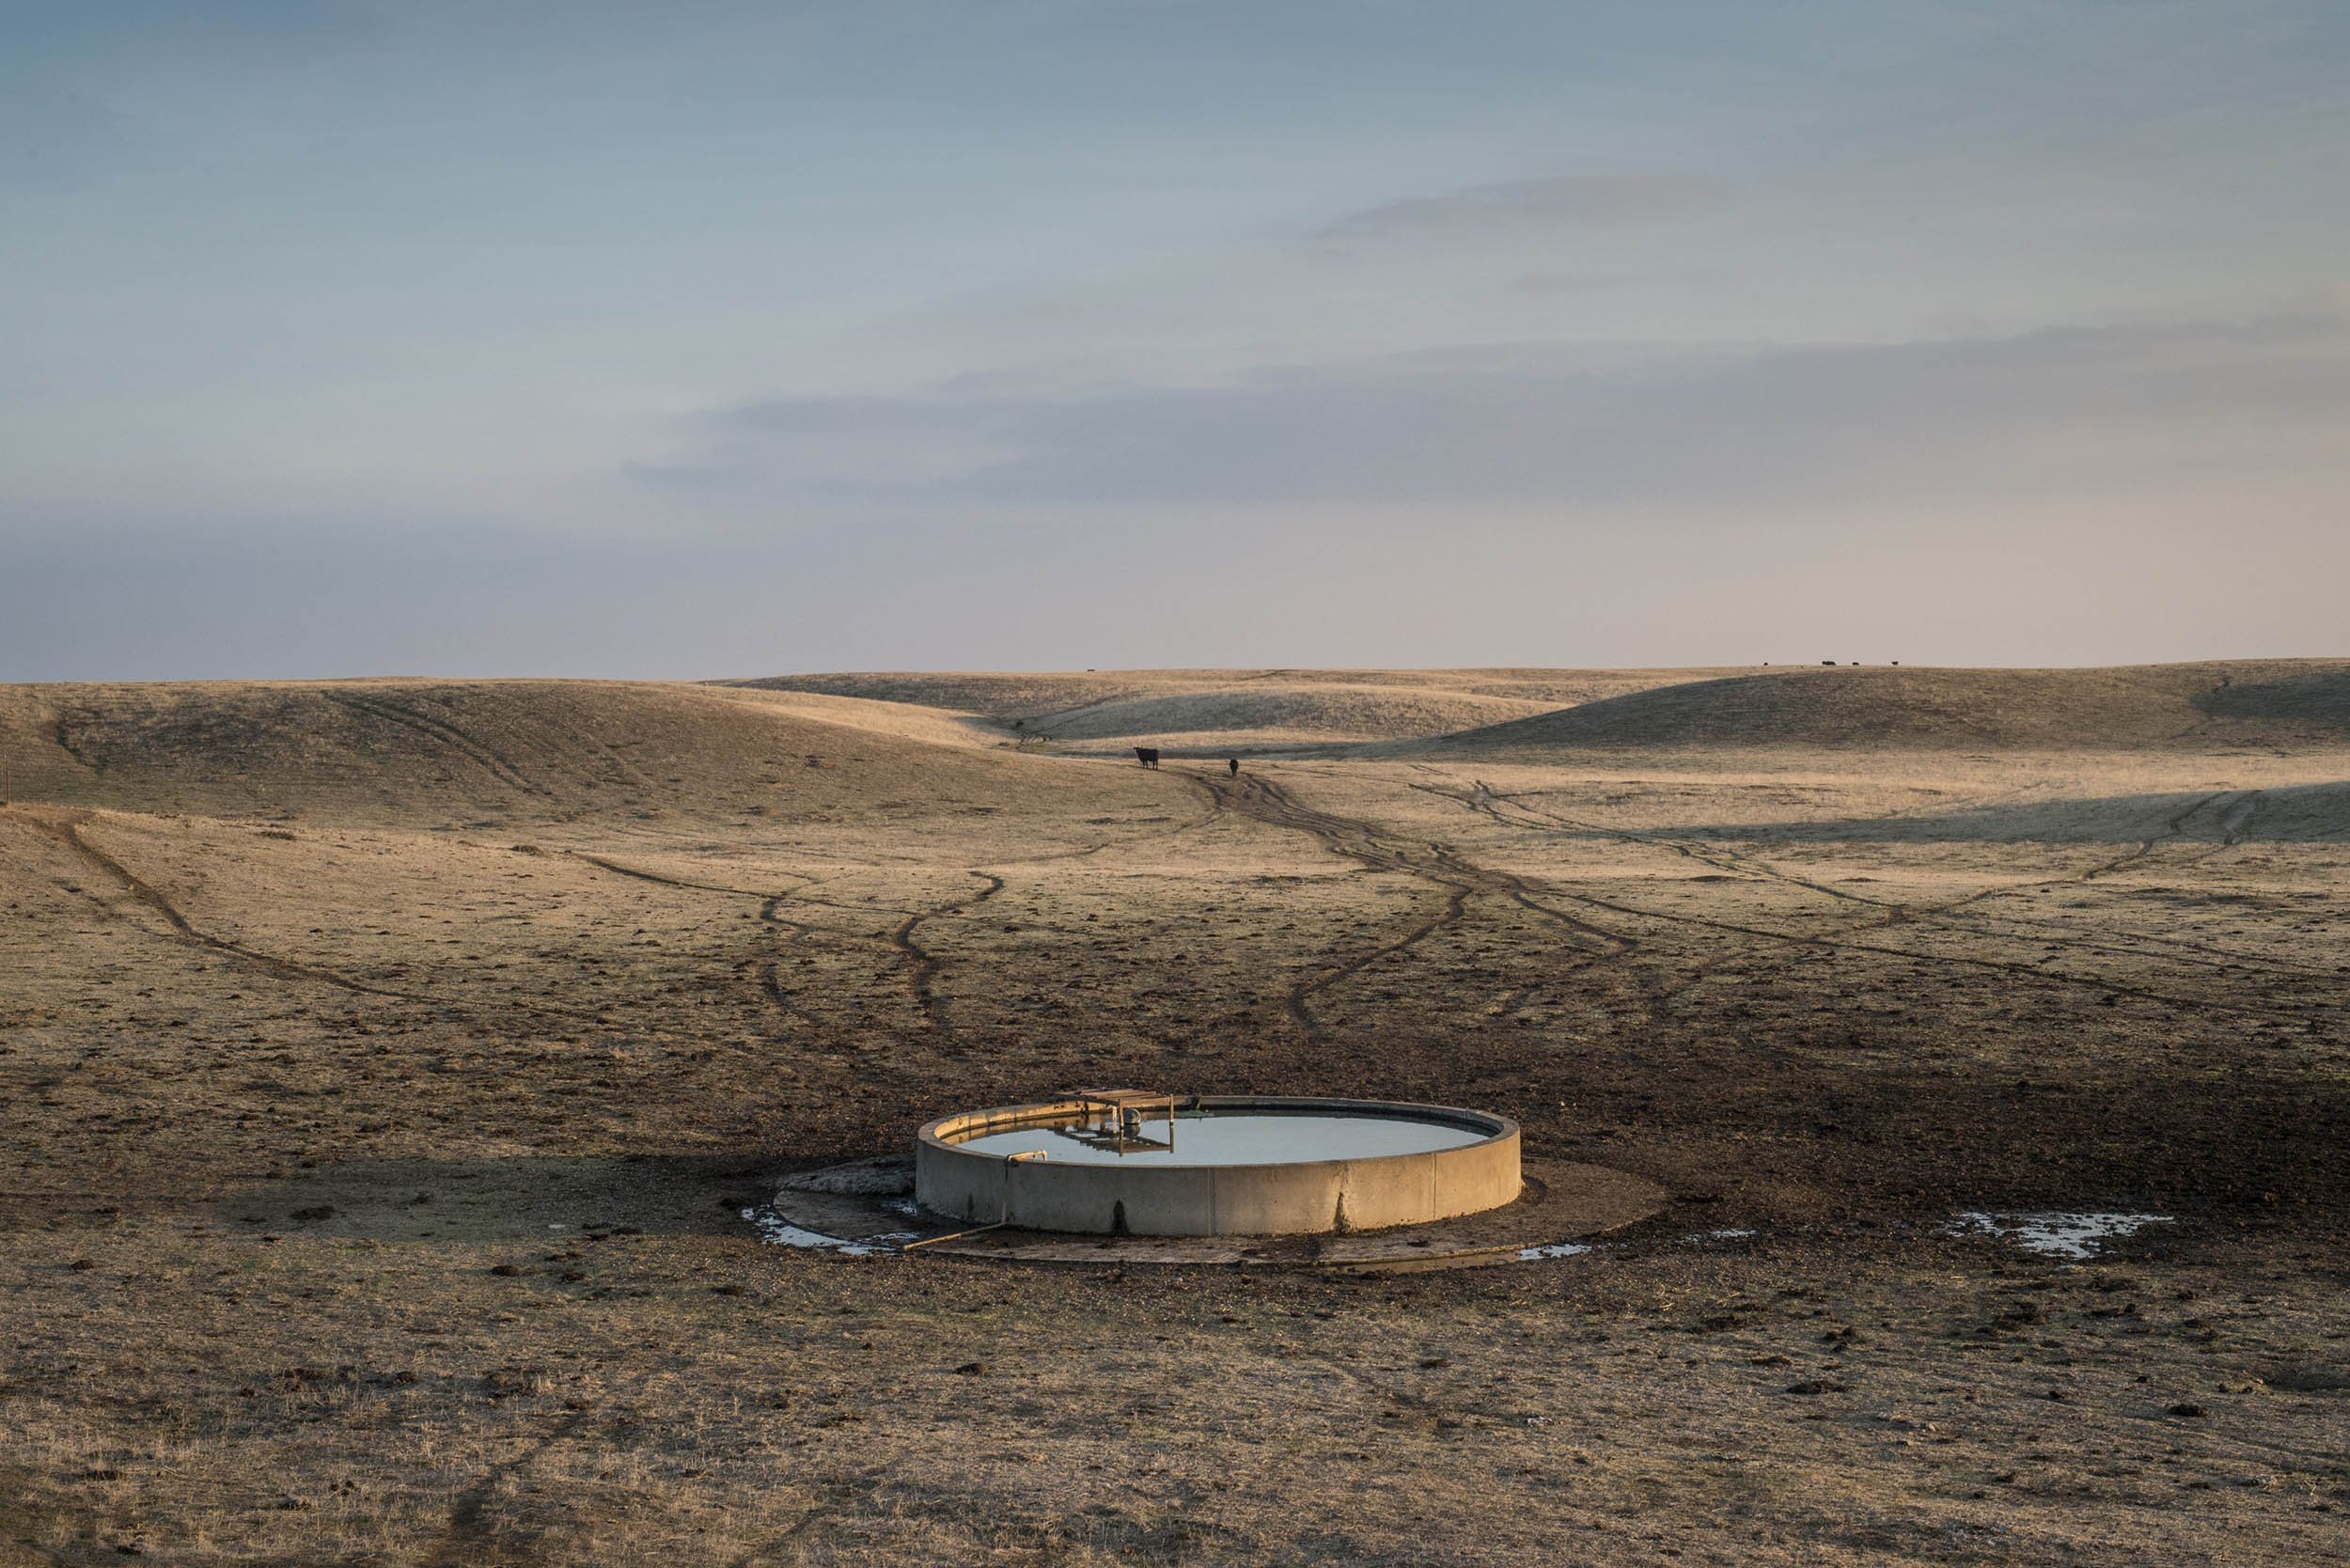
(462, 751)
(2267, 703)
(1206, 710)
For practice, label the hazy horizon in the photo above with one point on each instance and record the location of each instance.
(720, 341)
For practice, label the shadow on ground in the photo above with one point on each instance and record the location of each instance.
(512, 1200)
(2289, 813)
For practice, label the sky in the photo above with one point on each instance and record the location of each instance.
(710, 339)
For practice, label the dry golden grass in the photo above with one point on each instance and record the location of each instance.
(384, 1065)
(1248, 712)
(2204, 707)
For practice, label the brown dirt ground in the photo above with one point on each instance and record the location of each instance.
(384, 1066)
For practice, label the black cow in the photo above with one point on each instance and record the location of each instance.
(1147, 755)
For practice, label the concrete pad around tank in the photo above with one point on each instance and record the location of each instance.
(1559, 1202)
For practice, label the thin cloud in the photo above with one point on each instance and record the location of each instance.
(2082, 411)
(1571, 282)
(1517, 207)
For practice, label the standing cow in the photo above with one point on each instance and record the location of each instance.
(1147, 755)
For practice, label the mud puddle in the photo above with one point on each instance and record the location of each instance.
(2073, 1236)
(776, 1231)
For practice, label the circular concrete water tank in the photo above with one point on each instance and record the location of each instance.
(1224, 1164)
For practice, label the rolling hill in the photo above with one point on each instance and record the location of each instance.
(2289, 704)
(1245, 710)
(423, 751)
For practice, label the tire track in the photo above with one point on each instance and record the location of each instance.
(66, 829)
(1295, 1001)
(1896, 915)
(770, 972)
(1268, 802)
(1254, 795)
(61, 735)
(1998, 965)
(655, 877)
(922, 977)
(2234, 818)
(624, 771)
(922, 966)
(2195, 954)
(1062, 715)
(2173, 826)
(765, 975)
(408, 717)
(466, 1539)
(1257, 796)
(1483, 796)
(1731, 860)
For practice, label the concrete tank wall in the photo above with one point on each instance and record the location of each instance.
(1303, 1198)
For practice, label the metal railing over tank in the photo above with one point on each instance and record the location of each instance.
(1125, 1107)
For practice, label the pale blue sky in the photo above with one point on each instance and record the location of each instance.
(731, 338)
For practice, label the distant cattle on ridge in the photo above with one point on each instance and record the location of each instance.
(1147, 755)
